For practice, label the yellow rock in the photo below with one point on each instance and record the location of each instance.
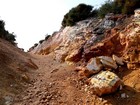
(104, 82)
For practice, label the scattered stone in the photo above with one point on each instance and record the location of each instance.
(11, 85)
(121, 87)
(79, 68)
(108, 62)
(54, 70)
(104, 102)
(118, 60)
(123, 95)
(104, 82)
(94, 65)
(8, 100)
(25, 77)
(70, 63)
(85, 73)
(101, 99)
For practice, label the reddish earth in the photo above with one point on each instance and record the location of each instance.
(55, 83)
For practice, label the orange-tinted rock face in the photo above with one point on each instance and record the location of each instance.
(99, 42)
(106, 47)
(92, 38)
(131, 38)
(86, 34)
(75, 55)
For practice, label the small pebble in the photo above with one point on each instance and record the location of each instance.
(123, 95)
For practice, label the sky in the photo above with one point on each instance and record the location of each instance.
(32, 20)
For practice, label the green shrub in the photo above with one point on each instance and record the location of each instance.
(130, 6)
(104, 9)
(78, 13)
(46, 38)
(35, 45)
(4, 34)
(118, 6)
(41, 41)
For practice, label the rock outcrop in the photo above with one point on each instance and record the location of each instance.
(130, 38)
(108, 62)
(94, 65)
(75, 42)
(104, 83)
(118, 60)
(100, 45)
(100, 63)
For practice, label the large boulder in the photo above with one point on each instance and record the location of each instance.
(104, 82)
(108, 62)
(94, 65)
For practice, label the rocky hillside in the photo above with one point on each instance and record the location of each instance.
(95, 62)
(106, 54)
(79, 40)
(16, 68)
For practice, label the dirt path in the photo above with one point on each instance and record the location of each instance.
(56, 83)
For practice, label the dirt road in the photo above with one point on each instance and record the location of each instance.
(56, 83)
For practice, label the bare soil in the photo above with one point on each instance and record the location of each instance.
(28, 79)
(56, 83)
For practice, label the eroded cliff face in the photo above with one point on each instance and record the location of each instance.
(115, 34)
(130, 37)
(72, 43)
(98, 45)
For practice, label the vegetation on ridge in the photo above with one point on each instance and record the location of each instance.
(83, 11)
(118, 7)
(4, 34)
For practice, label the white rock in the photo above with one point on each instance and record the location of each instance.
(137, 16)
(121, 87)
(137, 13)
(94, 65)
(8, 100)
(108, 62)
(127, 96)
(104, 82)
(123, 95)
(118, 60)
